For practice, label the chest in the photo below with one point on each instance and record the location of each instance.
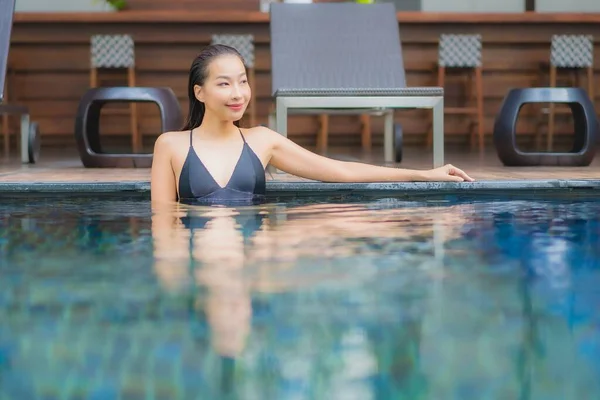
(219, 161)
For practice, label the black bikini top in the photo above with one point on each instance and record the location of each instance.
(247, 183)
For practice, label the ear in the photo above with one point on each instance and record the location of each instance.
(199, 93)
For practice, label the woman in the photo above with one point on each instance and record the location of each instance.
(212, 160)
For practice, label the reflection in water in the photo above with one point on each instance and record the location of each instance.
(371, 299)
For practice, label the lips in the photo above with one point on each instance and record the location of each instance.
(236, 107)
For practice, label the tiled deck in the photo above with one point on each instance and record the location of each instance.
(63, 172)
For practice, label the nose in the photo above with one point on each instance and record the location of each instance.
(236, 92)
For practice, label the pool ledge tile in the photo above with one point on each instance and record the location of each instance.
(275, 187)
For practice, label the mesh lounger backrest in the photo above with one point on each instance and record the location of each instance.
(335, 45)
(7, 8)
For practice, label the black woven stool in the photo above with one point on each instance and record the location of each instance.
(585, 121)
(87, 123)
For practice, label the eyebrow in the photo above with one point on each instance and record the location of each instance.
(227, 77)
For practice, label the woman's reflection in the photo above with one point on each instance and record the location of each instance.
(205, 247)
(232, 252)
(225, 255)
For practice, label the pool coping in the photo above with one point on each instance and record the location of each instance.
(298, 188)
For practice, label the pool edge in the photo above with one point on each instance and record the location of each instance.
(310, 187)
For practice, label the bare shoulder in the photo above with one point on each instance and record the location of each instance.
(261, 134)
(169, 141)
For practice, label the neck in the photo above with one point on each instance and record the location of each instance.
(214, 128)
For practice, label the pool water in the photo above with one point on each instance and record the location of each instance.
(320, 298)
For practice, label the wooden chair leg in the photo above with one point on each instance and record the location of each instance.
(538, 81)
(441, 78)
(480, 116)
(93, 77)
(590, 84)
(550, 138)
(366, 140)
(136, 139)
(471, 101)
(323, 133)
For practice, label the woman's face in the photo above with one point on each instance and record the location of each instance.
(226, 91)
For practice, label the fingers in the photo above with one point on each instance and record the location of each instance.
(463, 175)
(452, 170)
(455, 178)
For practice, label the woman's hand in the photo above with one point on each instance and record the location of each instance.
(447, 173)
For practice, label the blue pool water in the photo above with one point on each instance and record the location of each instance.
(333, 298)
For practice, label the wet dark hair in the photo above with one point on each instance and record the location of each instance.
(198, 74)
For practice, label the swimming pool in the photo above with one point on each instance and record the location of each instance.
(343, 297)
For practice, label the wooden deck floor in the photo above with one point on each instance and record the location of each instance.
(57, 166)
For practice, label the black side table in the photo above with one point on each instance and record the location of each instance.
(585, 129)
(87, 123)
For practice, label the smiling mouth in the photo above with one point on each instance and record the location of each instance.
(235, 106)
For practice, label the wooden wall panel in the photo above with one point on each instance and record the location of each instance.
(197, 5)
(193, 5)
(52, 62)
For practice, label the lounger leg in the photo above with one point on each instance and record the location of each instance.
(438, 133)
(388, 137)
(25, 138)
(280, 124)
(271, 123)
(281, 117)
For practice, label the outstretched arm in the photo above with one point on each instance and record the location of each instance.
(162, 180)
(294, 159)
